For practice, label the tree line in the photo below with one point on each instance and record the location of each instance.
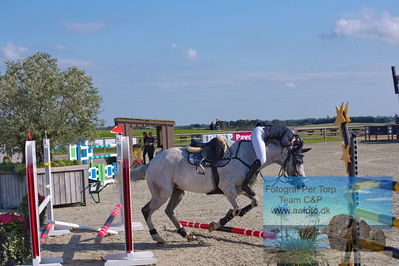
(250, 124)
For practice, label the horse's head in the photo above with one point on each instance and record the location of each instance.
(292, 163)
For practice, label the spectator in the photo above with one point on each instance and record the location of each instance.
(217, 124)
(145, 146)
(151, 147)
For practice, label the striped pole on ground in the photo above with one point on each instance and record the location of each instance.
(234, 230)
(107, 224)
(45, 232)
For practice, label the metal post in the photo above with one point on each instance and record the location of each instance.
(353, 172)
(48, 185)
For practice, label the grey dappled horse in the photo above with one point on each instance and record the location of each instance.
(169, 174)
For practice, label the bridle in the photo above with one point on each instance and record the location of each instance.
(285, 165)
(294, 157)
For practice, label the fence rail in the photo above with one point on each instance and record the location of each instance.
(325, 133)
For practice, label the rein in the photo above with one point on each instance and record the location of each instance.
(284, 166)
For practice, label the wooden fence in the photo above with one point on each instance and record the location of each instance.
(69, 186)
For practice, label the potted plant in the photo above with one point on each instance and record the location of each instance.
(296, 251)
(299, 249)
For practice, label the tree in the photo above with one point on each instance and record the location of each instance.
(35, 95)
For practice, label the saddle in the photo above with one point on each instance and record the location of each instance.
(213, 154)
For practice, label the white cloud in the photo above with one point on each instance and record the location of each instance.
(84, 27)
(13, 52)
(192, 54)
(64, 63)
(368, 24)
(290, 85)
(61, 47)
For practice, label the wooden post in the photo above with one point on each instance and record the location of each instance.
(159, 137)
(170, 137)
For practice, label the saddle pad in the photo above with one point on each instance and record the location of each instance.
(196, 159)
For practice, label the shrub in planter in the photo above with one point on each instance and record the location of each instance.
(296, 251)
(14, 240)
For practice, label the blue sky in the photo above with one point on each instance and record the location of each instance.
(195, 61)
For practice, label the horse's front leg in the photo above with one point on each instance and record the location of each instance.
(254, 203)
(231, 194)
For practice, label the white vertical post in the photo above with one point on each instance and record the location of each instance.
(30, 161)
(31, 174)
(48, 185)
(137, 226)
(129, 257)
(48, 188)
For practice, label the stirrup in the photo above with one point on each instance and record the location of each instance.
(201, 170)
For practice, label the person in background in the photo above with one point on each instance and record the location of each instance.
(145, 146)
(260, 134)
(212, 126)
(217, 124)
(151, 147)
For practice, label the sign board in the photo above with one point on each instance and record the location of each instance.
(208, 137)
(242, 136)
(109, 141)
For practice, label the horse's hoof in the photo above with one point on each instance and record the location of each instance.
(158, 239)
(255, 202)
(213, 226)
(191, 237)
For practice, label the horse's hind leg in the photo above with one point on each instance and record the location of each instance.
(149, 209)
(175, 199)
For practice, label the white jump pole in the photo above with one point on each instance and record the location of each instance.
(34, 222)
(129, 257)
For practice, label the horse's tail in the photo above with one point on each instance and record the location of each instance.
(138, 173)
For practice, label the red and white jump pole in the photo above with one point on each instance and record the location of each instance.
(46, 232)
(234, 230)
(30, 153)
(107, 224)
(129, 257)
